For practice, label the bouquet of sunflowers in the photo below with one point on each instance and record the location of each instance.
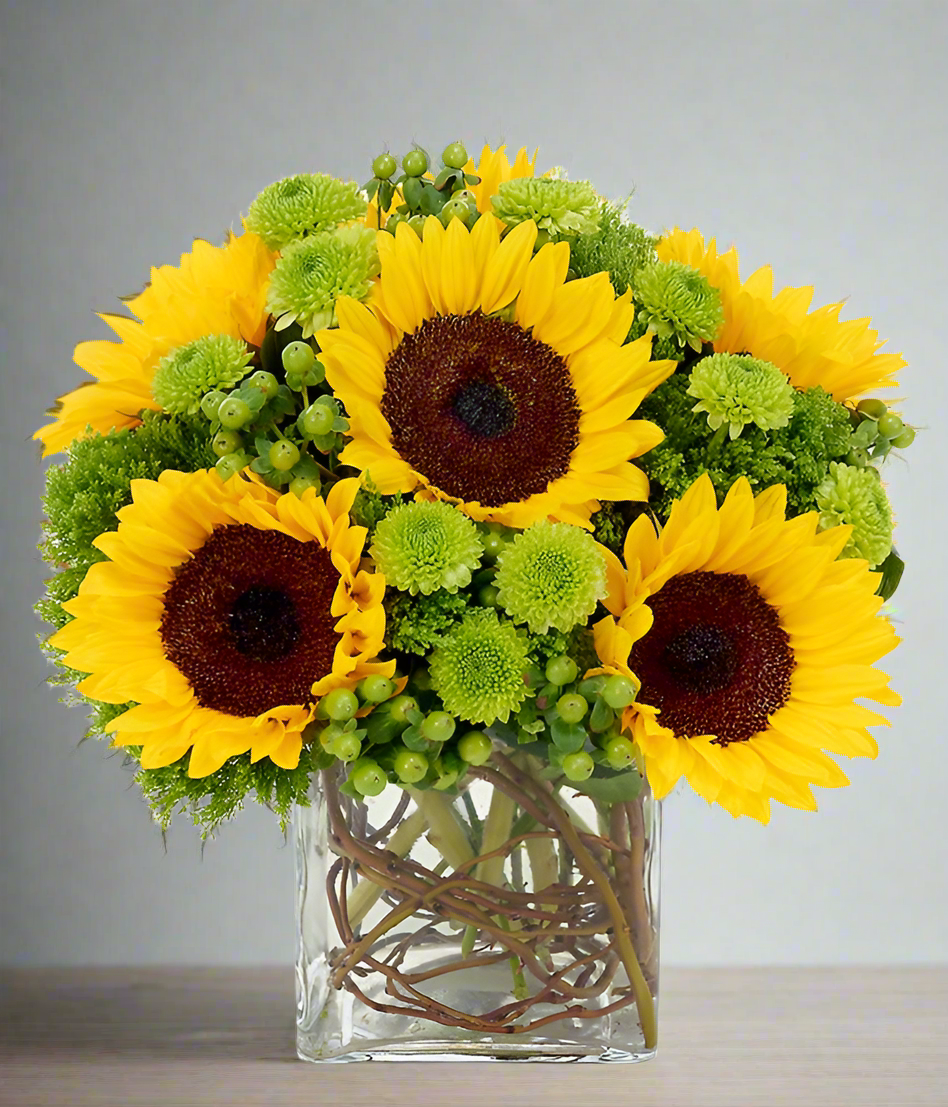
(462, 479)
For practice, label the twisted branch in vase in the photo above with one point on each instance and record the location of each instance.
(600, 922)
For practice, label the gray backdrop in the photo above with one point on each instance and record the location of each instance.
(812, 135)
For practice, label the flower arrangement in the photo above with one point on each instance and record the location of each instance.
(462, 476)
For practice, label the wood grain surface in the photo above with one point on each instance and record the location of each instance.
(728, 1038)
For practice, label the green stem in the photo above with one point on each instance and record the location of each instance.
(366, 893)
(445, 832)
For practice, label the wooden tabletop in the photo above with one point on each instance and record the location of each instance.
(729, 1037)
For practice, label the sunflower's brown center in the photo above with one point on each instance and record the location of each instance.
(481, 409)
(716, 660)
(247, 620)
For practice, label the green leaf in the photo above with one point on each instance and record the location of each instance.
(261, 465)
(386, 195)
(413, 190)
(567, 737)
(891, 570)
(618, 788)
(371, 187)
(602, 716)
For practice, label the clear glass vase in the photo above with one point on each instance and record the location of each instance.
(517, 920)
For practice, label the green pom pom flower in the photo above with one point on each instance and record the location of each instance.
(478, 668)
(551, 575)
(312, 274)
(854, 495)
(184, 376)
(557, 207)
(421, 547)
(677, 302)
(306, 204)
(737, 390)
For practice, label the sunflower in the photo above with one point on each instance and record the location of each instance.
(223, 612)
(512, 416)
(216, 290)
(752, 643)
(811, 347)
(494, 169)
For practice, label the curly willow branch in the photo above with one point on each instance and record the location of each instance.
(600, 923)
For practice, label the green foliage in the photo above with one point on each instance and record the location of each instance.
(576, 643)
(416, 623)
(93, 483)
(797, 455)
(371, 507)
(619, 248)
(212, 800)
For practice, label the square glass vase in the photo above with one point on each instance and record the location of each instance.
(515, 920)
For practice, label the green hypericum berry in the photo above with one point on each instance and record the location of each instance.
(619, 692)
(328, 737)
(487, 596)
(735, 390)
(183, 377)
(340, 704)
(571, 708)
(410, 767)
(855, 496)
(297, 357)
(312, 274)
(234, 413)
(303, 205)
(561, 670)
(438, 726)
(478, 668)
(384, 166)
(874, 409)
(578, 766)
(317, 419)
(858, 457)
(620, 752)
(225, 442)
(677, 302)
(298, 485)
(454, 156)
(557, 207)
(211, 403)
(454, 209)
(415, 163)
(423, 547)
(347, 747)
(375, 688)
(230, 465)
(495, 541)
(904, 438)
(890, 425)
(475, 747)
(367, 778)
(551, 575)
(400, 707)
(284, 455)
(417, 224)
(266, 382)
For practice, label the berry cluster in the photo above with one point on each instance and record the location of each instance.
(447, 195)
(260, 423)
(876, 430)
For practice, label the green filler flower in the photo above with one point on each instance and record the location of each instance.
(302, 205)
(421, 547)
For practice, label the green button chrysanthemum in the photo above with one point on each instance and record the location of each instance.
(312, 274)
(855, 496)
(677, 302)
(736, 390)
(183, 377)
(551, 575)
(557, 207)
(303, 205)
(478, 669)
(421, 547)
